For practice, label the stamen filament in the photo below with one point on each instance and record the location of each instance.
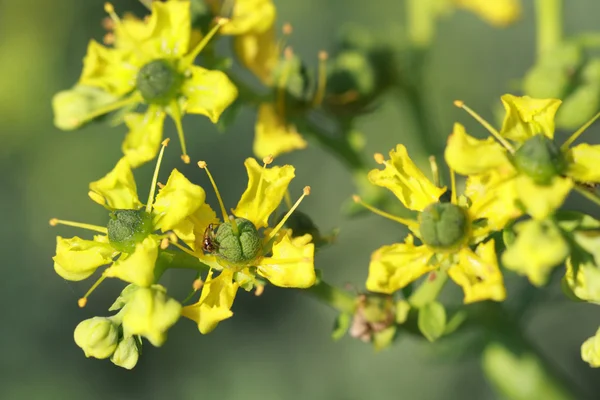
(486, 125)
(155, 176)
(305, 193)
(587, 194)
(83, 301)
(184, 249)
(453, 199)
(321, 80)
(283, 80)
(134, 98)
(176, 115)
(95, 228)
(190, 57)
(407, 222)
(435, 172)
(578, 133)
(202, 164)
(288, 199)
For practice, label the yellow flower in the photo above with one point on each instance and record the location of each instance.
(522, 167)
(152, 64)
(590, 350)
(273, 134)
(495, 12)
(128, 244)
(447, 231)
(244, 255)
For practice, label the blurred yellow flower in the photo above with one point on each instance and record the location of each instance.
(590, 350)
(495, 12)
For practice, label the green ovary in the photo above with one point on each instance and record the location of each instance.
(158, 82)
(443, 225)
(240, 248)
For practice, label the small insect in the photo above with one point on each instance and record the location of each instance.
(209, 244)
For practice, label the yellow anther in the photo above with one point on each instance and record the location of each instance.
(459, 103)
(165, 243)
(202, 164)
(356, 198)
(260, 289)
(109, 38)
(160, 185)
(379, 158)
(306, 190)
(165, 142)
(268, 159)
(197, 284)
(53, 221)
(185, 158)
(82, 302)
(323, 55)
(287, 28)
(108, 7)
(288, 53)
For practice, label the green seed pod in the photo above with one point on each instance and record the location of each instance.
(158, 82)
(126, 228)
(443, 225)
(126, 354)
(241, 248)
(579, 107)
(539, 158)
(97, 337)
(546, 82)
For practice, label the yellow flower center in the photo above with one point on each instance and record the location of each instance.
(540, 158)
(159, 82)
(126, 228)
(444, 226)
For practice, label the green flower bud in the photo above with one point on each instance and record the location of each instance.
(351, 71)
(158, 82)
(126, 228)
(443, 225)
(127, 353)
(579, 106)
(97, 337)
(239, 248)
(539, 158)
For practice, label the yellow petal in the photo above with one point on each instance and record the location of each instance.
(590, 350)
(215, 301)
(71, 107)
(292, 264)
(259, 53)
(249, 16)
(265, 191)
(117, 190)
(526, 116)
(541, 201)
(170, 25)
(138, 267)
(478, 274)
(583, 163)
(108, 69)
(406, 181)
(176, 201)
(467, 155)
(77, 259)
(273, 135)
(586, 285)
(208, 92)
(143, 139)
(150, 313)
(191, 230)
(496, 12)
(395, 266)
(539, 248)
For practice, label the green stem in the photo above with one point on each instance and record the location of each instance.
(420, 20)
(336, 298)
(549, 24)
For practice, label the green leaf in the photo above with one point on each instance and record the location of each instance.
(402, 309)
(432, 320)
(572, 220)
(341, 326)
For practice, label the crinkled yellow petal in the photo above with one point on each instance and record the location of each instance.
(265, 191)
(208, 92)
(170, 27)
(191, 230)
(478, 274)
(467, 155)
(215, 302)
(248, 16)
(176, 201)
(526, 116)
(143, 139)
(273, 135)
(137, 267)
(586, 285)
(395, 266)
(259, 52)
(292, 263)
(590, 350)
(117, 190)
(402, 177)
(538, 248)
(150, 313)
(541, 201)
(108, 69)
(583, 163)
(493, 196)
(71, 107)
(77, 259)
(495, 12)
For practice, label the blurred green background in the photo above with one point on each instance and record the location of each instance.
(277, 346)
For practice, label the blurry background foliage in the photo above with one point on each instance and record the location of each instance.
(278, 346)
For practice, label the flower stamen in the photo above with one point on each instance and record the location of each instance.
(95, 228)
(283, 80)
(454, 199)
(578, 133)
(83, 301)
(164, 144)
(190, 57)
(321, 80)
(176, 115)
(305, 192)
(435, 172)
(485, 124)
(406, 222)
(133, 99)
(204, 166)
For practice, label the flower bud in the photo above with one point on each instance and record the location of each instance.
(239, 248)
(590, 350)
(158, 82)
(579, 106)
(97, 337)
(443, 225)
(539, 158)
(127, 353)
(126, 228)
